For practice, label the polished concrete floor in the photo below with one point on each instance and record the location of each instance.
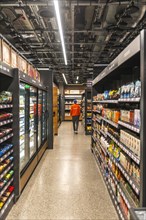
(66, 184)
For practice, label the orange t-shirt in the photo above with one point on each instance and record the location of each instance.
(75, 110)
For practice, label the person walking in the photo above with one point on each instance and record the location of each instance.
(75, 112)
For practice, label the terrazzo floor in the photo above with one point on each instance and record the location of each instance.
(66, 184)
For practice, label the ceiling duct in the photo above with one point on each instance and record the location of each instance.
(132, 8)
(46, 12)
(80, 17)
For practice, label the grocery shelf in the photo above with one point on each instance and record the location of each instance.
(103, 149)
(96, 130)
(4, 106)
(6, 138)
(98, 120)
(9, 200)
(6, 171)
(103, 133)
(125, 149)
(132, 191)
(96, 111)
(113, 176)
(110, 190)
(129, 126)
(6, 155)
(110, 122)
(5, 122)
(131, 181)
(95, 139)
(5, 168)
(126, 197)
(6, 186)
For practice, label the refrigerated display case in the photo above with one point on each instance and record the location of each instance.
(32, 120)
(28, 123)
(40, 103)
(24, 156)
(44, 121)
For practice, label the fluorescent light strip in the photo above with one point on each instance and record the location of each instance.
(100, 64)
(56, 5)
(43, 68)
(64, 78)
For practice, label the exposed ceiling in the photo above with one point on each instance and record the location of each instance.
(95, 31)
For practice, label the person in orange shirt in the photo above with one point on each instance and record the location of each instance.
(75, 112)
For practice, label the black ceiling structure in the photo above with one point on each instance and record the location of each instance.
(95, 32)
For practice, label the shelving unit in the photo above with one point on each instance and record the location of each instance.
(23, 125)
(69, 98)
(55, 110)
(118, 127)
(87, 112)
(7, 148)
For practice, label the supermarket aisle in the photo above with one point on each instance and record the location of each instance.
(66, 184)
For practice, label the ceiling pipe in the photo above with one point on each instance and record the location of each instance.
(73, 2)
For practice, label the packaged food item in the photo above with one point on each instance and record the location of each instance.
(5, 97)
(137, 121)
(137, 92)
(131, 90)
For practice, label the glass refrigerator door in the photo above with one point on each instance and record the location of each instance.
(40, 99)
(32, 120)
(44, 120)
(23, 108)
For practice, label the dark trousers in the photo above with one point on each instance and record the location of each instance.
(75, 120)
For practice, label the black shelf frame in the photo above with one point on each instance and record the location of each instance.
(135, 51)
(86, 97)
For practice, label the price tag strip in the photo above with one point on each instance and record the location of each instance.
(110, 122)
(2, 106)
(5, 138)
(6, 122)
(131, 127)
(130, 100)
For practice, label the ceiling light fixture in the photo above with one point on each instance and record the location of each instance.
(64, 78)
(100, 64)
(56, 5)
(77, 77)
(43, 68)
